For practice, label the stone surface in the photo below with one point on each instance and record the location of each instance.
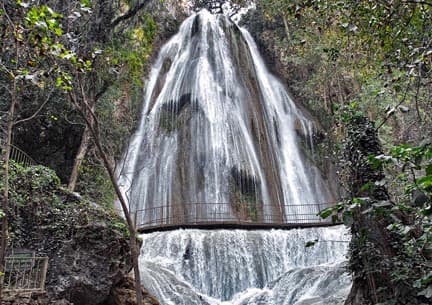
(87, 245)
(124, 294)
(32, 299)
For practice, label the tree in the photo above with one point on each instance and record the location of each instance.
(40, 49)
(231, 7)
(28, 48)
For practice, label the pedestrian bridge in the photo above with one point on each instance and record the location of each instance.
(228, 216)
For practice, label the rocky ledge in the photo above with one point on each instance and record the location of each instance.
(87, 245)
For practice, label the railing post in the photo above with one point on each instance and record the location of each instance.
(44, 272)
(135, 219)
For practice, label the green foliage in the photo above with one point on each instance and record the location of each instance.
(375, 54)
(44, 207)
(30, 184)
(34, 46)
(129, 53)
(95, 184)
(407, 216)
(121, 226)
(49, 57)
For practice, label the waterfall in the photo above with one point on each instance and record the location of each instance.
(217, 127)
(219, 135)
(188, 267)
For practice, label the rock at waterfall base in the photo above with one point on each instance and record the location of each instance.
(124, 294)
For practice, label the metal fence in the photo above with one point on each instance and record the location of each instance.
(226, 213)
(18, 155)
(23, 273)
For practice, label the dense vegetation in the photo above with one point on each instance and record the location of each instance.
(55, 50)
(67, 72)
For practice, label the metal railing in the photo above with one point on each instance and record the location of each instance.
(18, 155)
(233, 214)
(24, 274)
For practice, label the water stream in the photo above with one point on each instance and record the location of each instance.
(217, 128)
(235, 267)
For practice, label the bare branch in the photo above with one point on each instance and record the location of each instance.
(418, 2)
(130, 13)
(400, 103)
(37, 111)
(7, 16)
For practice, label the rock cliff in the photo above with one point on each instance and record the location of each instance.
(87, 245)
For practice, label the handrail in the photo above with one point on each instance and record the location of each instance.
(19, 155)
(226, 213)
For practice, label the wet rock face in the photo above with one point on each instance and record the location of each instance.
(217, 127)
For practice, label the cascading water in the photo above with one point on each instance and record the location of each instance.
(218, 128)
(188, 267)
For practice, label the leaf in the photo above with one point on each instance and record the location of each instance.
(58, 31)
(41, 24)
(429, 170)
(427, 280)
(385, 158)
(24, 4)
(367, 211)
(326, 212)
(361, 200)
(425, 182)
(427, 211)
(382, 182)
(390, 112)
(405, 230)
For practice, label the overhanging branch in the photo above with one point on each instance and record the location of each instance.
(130, 13)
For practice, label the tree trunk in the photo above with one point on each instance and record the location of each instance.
(92, 123)
(373, 249)
(5, 199)
(82, 151)
(131, 225)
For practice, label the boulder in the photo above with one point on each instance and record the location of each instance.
(124, 294)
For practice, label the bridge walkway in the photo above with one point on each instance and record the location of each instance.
(229, 216)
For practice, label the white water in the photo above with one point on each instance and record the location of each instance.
(213, 118)
(194, 267)
(217, 127)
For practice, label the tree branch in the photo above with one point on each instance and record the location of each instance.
(400, 103)
(418, 2)
(37, 111)
(130, 13)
